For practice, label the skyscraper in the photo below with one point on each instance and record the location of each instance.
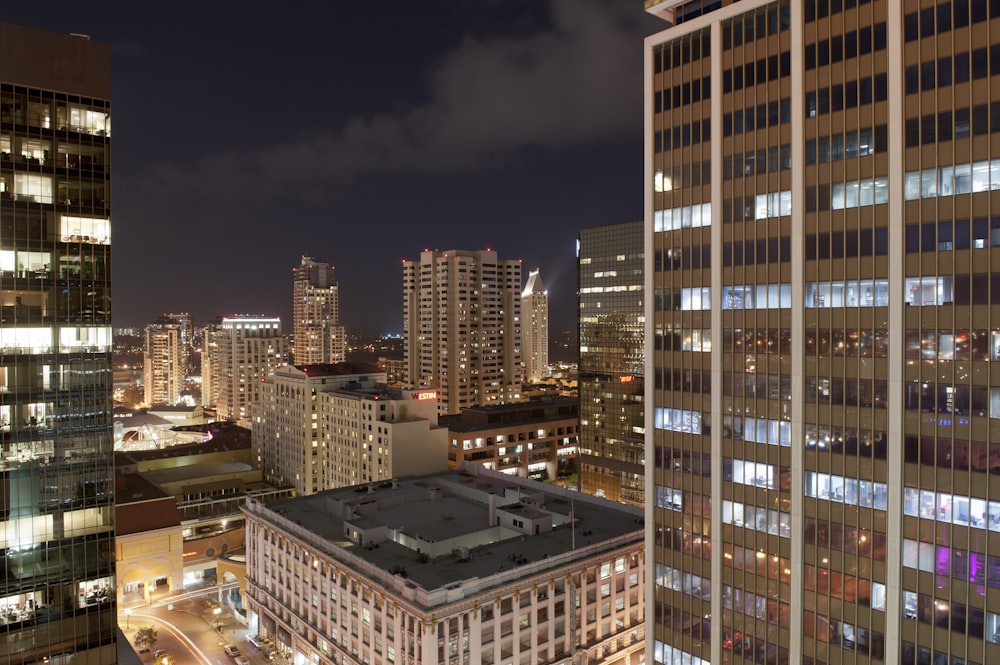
(210, 363)
(819, 203)
(318, 335)
(249, 348)
(462, 327)
(612, 361)
(535, 328)
(164, 361)
(58, 590)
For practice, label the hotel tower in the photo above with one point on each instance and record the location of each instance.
(57, 590)
(822, 467)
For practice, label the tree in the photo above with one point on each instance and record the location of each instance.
(145, 637)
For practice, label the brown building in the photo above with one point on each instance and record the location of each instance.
(820, 179)
(536, 439)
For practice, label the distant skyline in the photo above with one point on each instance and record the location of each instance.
(359, 134)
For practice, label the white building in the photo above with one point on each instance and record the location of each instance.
(535, 331)
(462, 327)
(320, 427)
(249, 348)
(468, 566)
(164, 361)
(318, 335)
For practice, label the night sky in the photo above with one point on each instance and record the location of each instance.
(248, 134)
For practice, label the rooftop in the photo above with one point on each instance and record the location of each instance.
(441, 537)
(340, 369)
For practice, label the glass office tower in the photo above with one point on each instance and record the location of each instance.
(57, 590)
(612, 361)
(819, 197)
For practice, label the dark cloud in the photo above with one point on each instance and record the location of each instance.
(573, 83)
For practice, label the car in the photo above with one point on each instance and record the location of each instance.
(241, 660)
(231, 651)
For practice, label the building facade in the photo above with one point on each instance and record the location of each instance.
(462, 327)
(248, 349)
(320, 427)
(318, 336)
(164, 362)
(535, 328)
(57, 598)
(210, 363)
(534, 439)
(611, 367)
(819, 213)
(469, 566)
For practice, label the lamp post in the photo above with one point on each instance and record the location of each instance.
(128, 617)
(216, 612)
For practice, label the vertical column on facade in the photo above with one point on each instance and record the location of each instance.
(533, 618)
(894, 471)
(428, 653)
(716, 358)
(398, 638)
(798, 339)
(497, 622)
(475, 635)
(550, 612)
(443, 630)
(649, 312)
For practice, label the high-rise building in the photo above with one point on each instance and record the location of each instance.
(612, 361)
(819, 200)
(249, 348)
(466, 566)
(183, 321)
(535, 328)
(57, 533)
(164, 361)
(210, 363)
(318, 336)
(319, 427)
(462, 327)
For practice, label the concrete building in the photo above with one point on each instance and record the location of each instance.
(317, 333)
(325, 426)
(199, 487)
(149, 544)
(826, 458)
(57, 470)
(535, 439)
(535, 328)
(164, 361)
(462, 327)
(249, 348)
(210, 364)
(612, 361)
(467, 566)
(395, 370)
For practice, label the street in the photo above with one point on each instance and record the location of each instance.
(189, 629)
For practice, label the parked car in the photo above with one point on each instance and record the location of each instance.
(241, 660)
(231, 651)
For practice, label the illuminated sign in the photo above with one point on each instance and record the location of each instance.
(627, 378)
(427, 396)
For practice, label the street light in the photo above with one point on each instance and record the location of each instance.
(128, 617)
(217, 611)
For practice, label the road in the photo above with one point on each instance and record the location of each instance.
(186, 629)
